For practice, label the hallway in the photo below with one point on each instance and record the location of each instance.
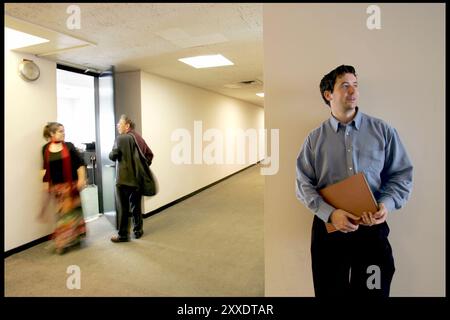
(210, 245)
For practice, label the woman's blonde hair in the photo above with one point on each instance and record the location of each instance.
(50, 128)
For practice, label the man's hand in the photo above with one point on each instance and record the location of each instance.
(370, 219)
(367, 219)
(114, 154)
(381, 215)
(341, 221)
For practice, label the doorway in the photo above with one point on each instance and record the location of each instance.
(85, 106)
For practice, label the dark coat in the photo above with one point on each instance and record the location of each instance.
(131, 165)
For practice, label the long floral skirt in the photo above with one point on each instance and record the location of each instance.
(70, 225)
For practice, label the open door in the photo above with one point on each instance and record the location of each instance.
(106, 133)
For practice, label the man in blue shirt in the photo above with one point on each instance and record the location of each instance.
(356, 260)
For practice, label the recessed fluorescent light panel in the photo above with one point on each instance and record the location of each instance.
(210, 61)
(17, 39)
(260, 94)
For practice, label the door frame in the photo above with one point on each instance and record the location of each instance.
(97, 169)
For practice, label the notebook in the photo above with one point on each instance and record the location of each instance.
(352, 194)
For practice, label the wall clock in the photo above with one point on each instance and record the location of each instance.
(29, 70)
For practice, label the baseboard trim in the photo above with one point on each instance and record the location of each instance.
(145, 215)
(164, 207)
(27, 245)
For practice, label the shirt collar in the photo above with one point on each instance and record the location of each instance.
(357, 119)
(356, 122)
(334, 123)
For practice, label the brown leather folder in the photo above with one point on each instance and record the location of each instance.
(352, 194)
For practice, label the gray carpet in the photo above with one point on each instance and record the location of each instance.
(210, 245)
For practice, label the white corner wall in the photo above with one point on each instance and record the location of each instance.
(168, 105)
(28, 107)
(401, 71)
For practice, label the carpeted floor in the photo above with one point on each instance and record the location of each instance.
(210, 245)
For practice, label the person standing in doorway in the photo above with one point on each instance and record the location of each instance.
(347, 143)
(133, 178)
(64, 178)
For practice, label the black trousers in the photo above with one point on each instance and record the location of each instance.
(128, 205)
(353, 264)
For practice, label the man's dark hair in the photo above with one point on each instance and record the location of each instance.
(328, 80)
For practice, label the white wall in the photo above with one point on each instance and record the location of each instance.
(168, 105)
(28, 107)
(401, 80)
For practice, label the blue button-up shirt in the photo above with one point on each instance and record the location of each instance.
(335, 151)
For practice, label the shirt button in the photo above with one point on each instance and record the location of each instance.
(351, 168)
(348, 150)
